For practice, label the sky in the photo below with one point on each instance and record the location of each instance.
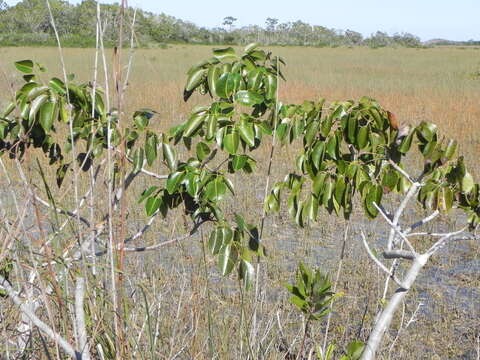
(428, 19)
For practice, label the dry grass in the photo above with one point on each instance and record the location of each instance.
(431, 84)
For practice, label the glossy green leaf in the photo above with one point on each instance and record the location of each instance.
(193, 124)
(450, 149)
(152, 205)
(406, 143)
(211, 124)
(47, 115)
(215, 190)
(246, 273)
(250, 47)
(174, 180)
(248, 98)
(239, 161)
(57, 85)
(170, 155)
(355, 350)
(35, 107)
(138, 158)
(271, 87)
(25, 66)
(212, 78)
(362, 137)
(231, 142)
(247, 132)
(332, 147)
(146, 193)
(151, 148)
(225, 53)
(202, 150)
(254, 79)
(227, 258)
(195, 79)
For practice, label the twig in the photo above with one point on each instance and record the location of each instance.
(441, 242)
(378, 262)
(396, 228)
(422, 222)
(37, 322)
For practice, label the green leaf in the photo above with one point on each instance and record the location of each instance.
(57, 85)
(231, 142)
(146, 193)
(311, 208)
(355, 349)
(174, 179)
(352, 129)
(239, 161)
(215, 190)
(152, 205)
(332, 147)
(362, 137)
(248, 98)
(406, 143)
(25, 66)
(254, 79)
(202, 151)
(35, 107)
(450, 149)
(212, 77)
(227, 259)
(444, 199)
(212, 122)
(250, 47)
(225, 53)
(271, 87)
(47, 112)
(138, 157)
(374, 195)
(215, 241)
(193, 124)
(246, 272)
(467, 183)
(195, 79)
(151, 148)
(170, 155)
(247, 132)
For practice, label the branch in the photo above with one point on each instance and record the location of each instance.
(37, 322)
(60, 211)
(80, 319)
(423, 221)
(395, 228)
(379, 264)
(441, 242)
(404, 173)
(399, 254)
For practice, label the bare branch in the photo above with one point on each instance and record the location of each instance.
(399, 254)
(404, 173)
(442, 241)
(396, 228)
(422, 222)
(80, 319)
(37, 322)
(379, 264)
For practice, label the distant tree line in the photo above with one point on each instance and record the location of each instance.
(28, 23)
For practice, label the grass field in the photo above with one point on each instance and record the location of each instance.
(192, 312)
(417, 84)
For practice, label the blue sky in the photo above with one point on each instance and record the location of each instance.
(455, 20)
